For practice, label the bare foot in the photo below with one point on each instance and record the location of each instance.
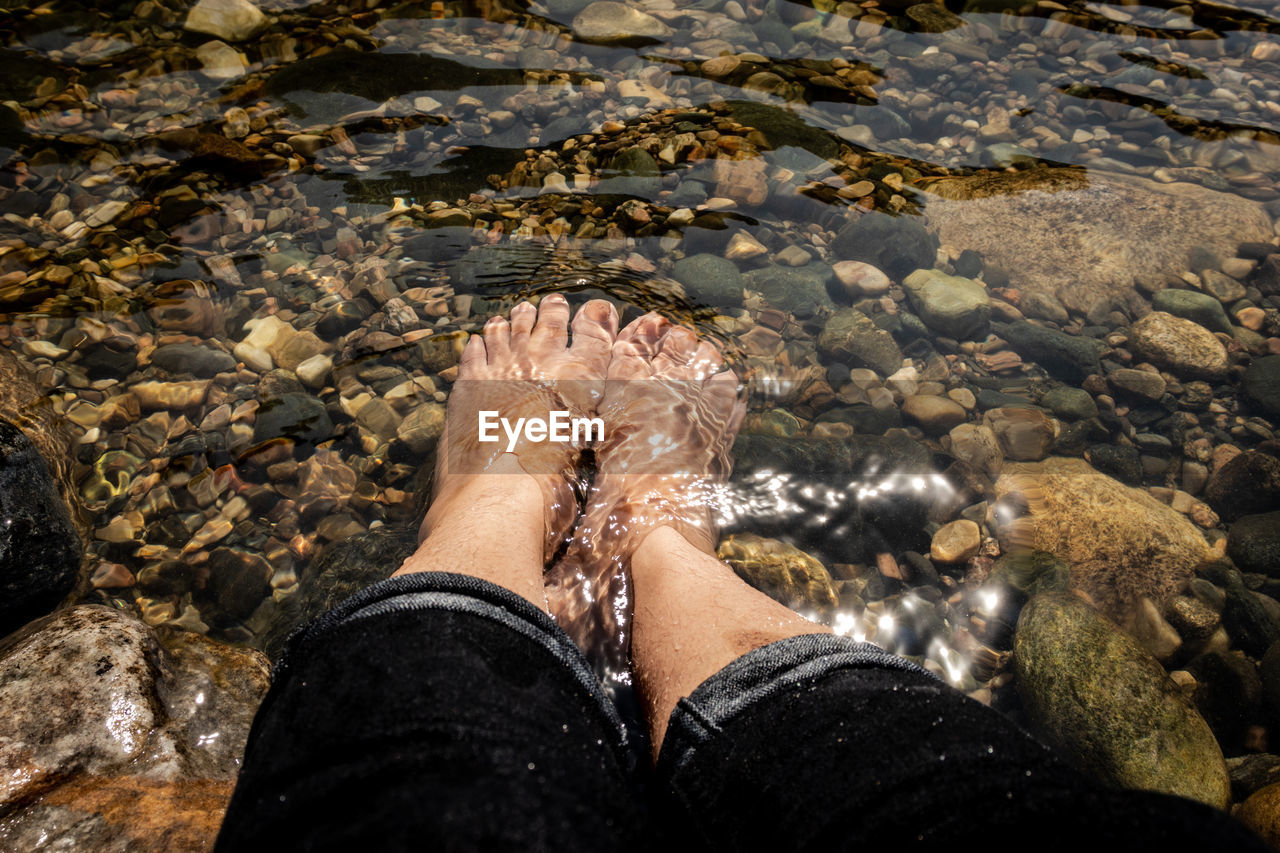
(671, 412)
(526, 368)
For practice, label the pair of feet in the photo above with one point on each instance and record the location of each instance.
(670, 411)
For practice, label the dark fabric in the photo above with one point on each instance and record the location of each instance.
(440, 712)
(434, 712)
(821, 743)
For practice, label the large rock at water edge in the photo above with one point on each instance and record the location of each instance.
(782, 571)
(1254, 543)
(1195, 306)
(1093, 693)
(850, 337)
(607, 21)
(637, 173)
(117, 738)
(1068, 357)
(1261, 384)
(899, 245)
(800, 290)
(39, 548)
(1246, 484)
(710, 280)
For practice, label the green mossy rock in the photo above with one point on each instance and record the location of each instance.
(850, 337)
(1090, 691)
(710, 280)
(951, 305)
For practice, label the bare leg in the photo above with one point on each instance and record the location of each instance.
(495, 514)
(693, 617)
(671, 413)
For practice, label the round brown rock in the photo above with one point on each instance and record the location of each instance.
(1261, 813)
(956, 542)
(1180, 346)
(1024, 434)
(934, 415)
(1137, 384)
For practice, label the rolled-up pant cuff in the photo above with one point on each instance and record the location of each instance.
(435, 711)
(456, 593)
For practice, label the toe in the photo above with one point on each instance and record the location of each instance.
(724, 383)
(596, 322)
(497, 339)
(552, 329)
(724, 393)
(706, 360)
(473, 358)
(677, 349)
(595, 327)
(629, 360)
(645, 332)
(522, 317)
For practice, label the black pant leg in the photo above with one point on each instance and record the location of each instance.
(434, 712)
(821, 743)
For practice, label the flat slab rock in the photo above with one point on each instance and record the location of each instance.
(1082, 237)
(117, 737)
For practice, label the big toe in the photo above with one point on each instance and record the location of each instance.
(473, 359)
(497, 340)
(595, 328)
(724, 392)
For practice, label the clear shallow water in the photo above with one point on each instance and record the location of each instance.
(374, 179)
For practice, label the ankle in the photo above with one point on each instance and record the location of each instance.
(509, 501)
(665, 546)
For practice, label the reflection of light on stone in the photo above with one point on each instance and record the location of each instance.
(780, 498)
(1005, 513)
(988, 601)
(119, 723)
(772, 386)
(848, 624)
(951, 661)
(844, 623)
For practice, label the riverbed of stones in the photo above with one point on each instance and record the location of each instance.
(248, 322)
